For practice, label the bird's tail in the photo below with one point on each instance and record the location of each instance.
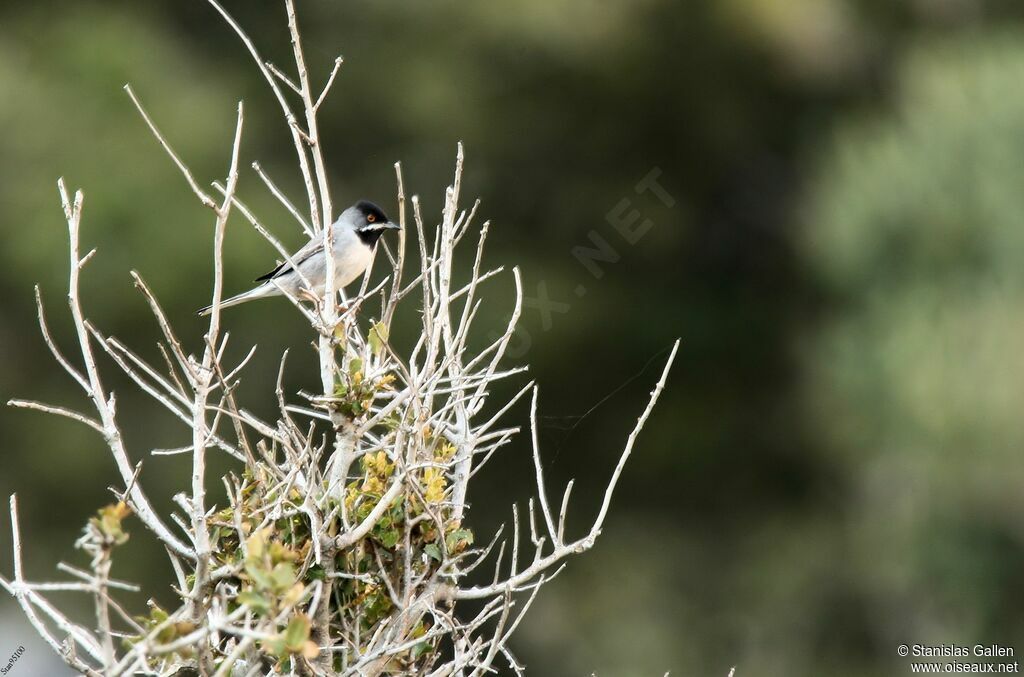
(258, 292)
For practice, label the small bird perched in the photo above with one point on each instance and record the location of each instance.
(355, 235)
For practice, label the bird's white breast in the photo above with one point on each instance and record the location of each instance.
(352, 256)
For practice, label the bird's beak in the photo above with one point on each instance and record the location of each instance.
(392, 226)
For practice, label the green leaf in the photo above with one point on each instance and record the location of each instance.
(388, 537)
(283, 576)
(274, 646)
(458, 538)
(297, 632)
(109, 521)
(254, 601)
(377, 605)
(432, 550)
(420, 649)
(157, 615)
(355, 365)
(378, 337)
(260, 576)
(257, 543)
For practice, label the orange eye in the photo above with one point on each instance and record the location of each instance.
(371, 218)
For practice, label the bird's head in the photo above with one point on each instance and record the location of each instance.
(368, 220)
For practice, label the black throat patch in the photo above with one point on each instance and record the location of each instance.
(369, 236)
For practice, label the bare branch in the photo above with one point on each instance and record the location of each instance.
(203, 197)
(330, 82)
(285, 108)
(73, 212)
(60, 411)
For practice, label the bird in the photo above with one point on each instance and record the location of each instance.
(355, 236)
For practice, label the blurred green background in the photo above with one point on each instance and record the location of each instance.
(835, 467)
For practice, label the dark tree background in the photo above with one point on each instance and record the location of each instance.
(835, 468)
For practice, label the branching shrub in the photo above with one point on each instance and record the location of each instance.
(344, 545)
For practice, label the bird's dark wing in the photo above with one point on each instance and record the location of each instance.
(280, 270)
(298, 257)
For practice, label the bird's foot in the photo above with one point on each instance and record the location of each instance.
(350, 306)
